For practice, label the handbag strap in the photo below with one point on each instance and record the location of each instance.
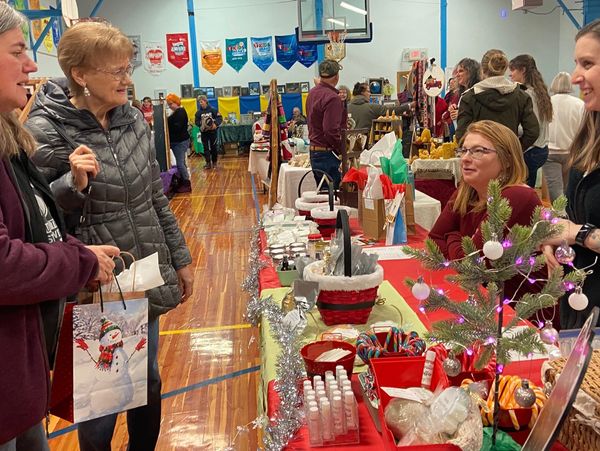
(327, 180)
(342, 224)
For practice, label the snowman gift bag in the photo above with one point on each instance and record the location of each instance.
(106, 370)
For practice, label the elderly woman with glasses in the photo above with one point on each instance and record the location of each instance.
(488, 151)
(97, 154)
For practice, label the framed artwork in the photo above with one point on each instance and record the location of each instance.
(160, 94)
(304, 86)
(292, 88)
(130, 92)
(187, 90)
(197, 92)
(376, 85)
(219, 92)
(265, 89)
(244, 91)
(235, 91)
(226, 91)
(254, 88)
(281, 89)
(208, 91)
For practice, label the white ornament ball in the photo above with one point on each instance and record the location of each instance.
(452, 366)
(493, 250)
(549, 334)
(524, 395)
(578, 300)
(421, 290)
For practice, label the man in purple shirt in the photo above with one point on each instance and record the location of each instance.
(326, 115)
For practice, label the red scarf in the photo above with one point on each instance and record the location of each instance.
(106, 356)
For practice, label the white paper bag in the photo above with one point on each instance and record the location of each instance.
(382, 148)
(373, 188)
(142, 275)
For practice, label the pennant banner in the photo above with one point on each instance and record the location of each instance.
(137, 53)
(178, 49)
(154, 57)
(236, 52)
(212, 57)
(286, 49)
(262, 52)
(307, 54)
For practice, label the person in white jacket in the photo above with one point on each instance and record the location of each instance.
(566, 119)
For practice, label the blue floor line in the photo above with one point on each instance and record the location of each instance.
(255, 196)
(179, 391)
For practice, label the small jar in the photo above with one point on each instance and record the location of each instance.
(311, 248)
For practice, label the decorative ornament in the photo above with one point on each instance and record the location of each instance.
(451, 365)
(471, 300)
(549, 334)
(578, 300)
(564, 253)
(524, 395)
(493, 249)
(421, 290)
(480, 389)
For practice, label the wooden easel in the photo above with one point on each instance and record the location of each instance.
(274, 141)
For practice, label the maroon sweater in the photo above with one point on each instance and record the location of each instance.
(325, 113)
(450, 227)
(31, 273)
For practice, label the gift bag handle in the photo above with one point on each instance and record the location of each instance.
(342, 224)
(327, 180)
(130, 255)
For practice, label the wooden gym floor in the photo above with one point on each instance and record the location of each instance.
(208, 356)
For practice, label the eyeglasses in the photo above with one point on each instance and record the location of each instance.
(119, 74)
(476, 152)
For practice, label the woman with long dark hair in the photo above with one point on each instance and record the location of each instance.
(524, 70)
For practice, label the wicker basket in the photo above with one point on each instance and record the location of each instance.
(574, 435)
(344, 299)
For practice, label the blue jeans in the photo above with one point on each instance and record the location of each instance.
(180, 150)
(535, 157)
(33, 438)
(143, 423)
(328, 163)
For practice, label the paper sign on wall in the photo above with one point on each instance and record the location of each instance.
(212, 57)
(178, 51)
(154, 57)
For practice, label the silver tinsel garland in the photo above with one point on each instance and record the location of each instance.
(286, 421)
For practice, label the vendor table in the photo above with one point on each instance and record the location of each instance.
(398, 299)
(287, 184)
(427, 209)
(444, 169)
(235, 134)
(259, 165)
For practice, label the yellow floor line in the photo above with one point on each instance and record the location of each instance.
(196, 196)
(205, 329)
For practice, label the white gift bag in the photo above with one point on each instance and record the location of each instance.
(142, 275)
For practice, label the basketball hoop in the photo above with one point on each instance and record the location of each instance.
(336, 49)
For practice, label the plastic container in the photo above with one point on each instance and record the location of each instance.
(313, 350)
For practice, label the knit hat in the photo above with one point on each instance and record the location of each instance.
(329, 68)
(106, 326)
(173, 98)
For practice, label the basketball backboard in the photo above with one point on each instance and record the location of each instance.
(316, 18)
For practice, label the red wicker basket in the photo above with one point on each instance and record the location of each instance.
(344, 299)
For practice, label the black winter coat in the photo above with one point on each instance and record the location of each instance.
(126, 206)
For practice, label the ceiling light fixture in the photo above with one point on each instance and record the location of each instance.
(353, 8)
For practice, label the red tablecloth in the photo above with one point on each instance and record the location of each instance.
(395, 272)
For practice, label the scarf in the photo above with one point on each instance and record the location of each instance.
(106, 356)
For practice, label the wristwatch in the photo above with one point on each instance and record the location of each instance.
(583, 233)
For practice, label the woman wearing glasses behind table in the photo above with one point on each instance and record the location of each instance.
(488, 151)
(112, 175)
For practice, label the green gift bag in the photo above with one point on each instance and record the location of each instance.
(196, 141)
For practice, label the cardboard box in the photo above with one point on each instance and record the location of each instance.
(373, 218)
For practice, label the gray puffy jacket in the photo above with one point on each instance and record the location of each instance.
(125, 205)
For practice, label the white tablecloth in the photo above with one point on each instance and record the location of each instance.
(427, 210)
(258, 164)
(287, 184)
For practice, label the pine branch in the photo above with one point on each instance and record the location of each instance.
(431, 257)
(523, 341)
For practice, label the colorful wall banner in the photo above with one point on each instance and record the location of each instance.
(286, 50)
(137, 50)
(212, 57)
(178, 49)
(262, 52)
(229, 105)
(154, 57)
(249, 103)
(307, 54)
(236, 52)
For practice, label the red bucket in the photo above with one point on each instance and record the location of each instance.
(313, 350)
